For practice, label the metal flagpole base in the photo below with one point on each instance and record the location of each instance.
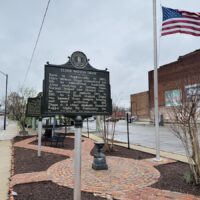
(157, 159)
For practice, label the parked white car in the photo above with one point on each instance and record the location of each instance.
(132, 119)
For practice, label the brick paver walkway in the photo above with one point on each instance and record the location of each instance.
(125, 179)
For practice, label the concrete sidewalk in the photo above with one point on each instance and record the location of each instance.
(6, 156)
(11, 131)
(5, 167)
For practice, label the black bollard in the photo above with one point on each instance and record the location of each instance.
(99, 162)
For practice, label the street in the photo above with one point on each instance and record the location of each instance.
(144, 135)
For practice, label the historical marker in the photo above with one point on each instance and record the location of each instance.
(33, 108)
(76, 88)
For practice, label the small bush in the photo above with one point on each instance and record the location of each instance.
(188, 177)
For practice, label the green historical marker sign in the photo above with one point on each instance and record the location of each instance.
(33, 108)
(76, 88)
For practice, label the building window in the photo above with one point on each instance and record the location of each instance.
(172, 97)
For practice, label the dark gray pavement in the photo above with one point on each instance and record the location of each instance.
(143, 134)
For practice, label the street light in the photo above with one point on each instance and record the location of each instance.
(6, 75)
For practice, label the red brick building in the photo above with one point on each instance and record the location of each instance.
(140, 105)
(174, 80)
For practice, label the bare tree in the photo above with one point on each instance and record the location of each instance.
(107, 125)
(17, 105)
(185, 115)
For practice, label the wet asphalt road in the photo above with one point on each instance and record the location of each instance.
(144, 135)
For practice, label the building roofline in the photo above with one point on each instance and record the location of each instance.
(180, 58)
(140, 93)
(188, 54)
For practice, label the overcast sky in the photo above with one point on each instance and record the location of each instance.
(113, 34)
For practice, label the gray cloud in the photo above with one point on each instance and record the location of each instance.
(114, 34)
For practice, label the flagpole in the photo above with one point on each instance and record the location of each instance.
(157, 137)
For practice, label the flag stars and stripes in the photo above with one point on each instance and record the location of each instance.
(179, 21)
(169, 13)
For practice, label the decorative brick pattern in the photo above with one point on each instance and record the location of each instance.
(29, 178)
(26, 144)
(139, 175)
(125, 179)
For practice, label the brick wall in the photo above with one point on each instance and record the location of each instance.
(140, 105)
(172, 76)
(175, 75)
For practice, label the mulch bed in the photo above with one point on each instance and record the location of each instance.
(129, 153)
(49, 191)
(26, 160)
(68, 143)
(172, 179)
(171, 174)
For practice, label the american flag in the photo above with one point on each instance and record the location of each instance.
(180, 21)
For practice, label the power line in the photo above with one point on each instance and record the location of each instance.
(32, 55)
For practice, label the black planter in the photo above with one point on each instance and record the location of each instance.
(99, 162)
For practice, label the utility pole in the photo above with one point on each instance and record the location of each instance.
(5, 109)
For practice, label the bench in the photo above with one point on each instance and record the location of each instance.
(57, 140)
(47, 136)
